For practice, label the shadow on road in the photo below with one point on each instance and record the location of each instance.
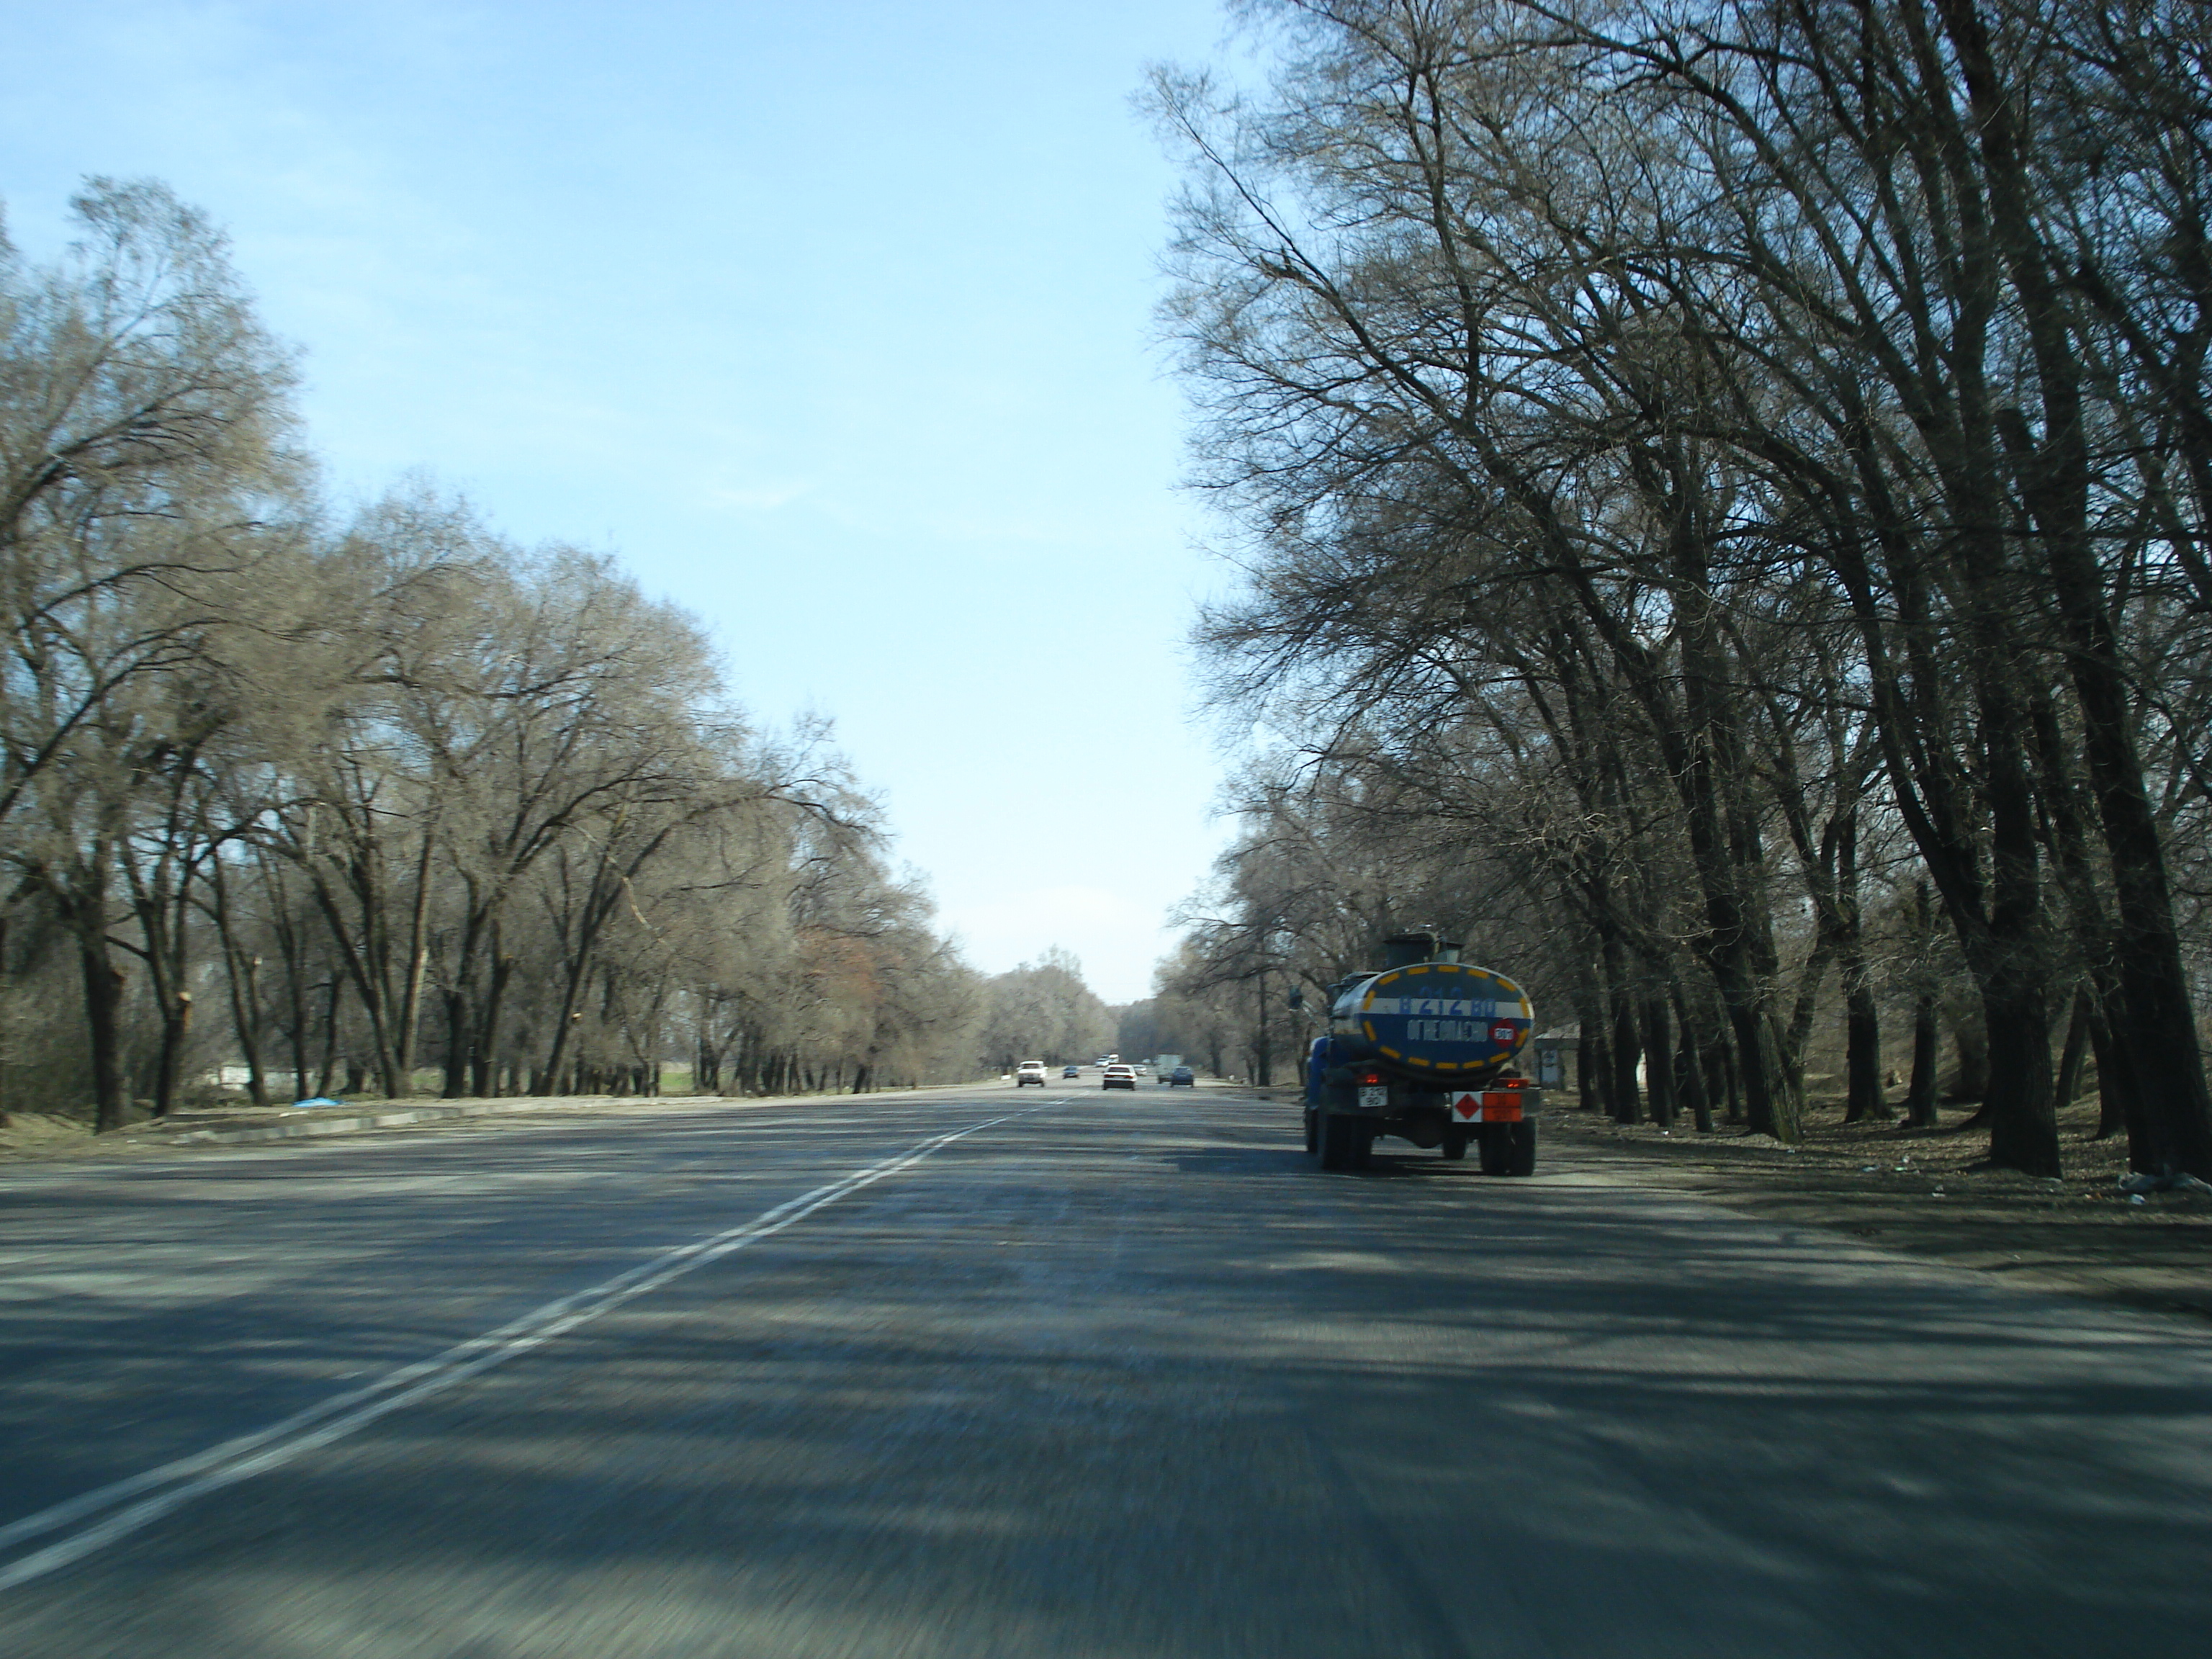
(983, 1411)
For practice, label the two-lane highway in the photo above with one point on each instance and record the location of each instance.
(1078, 1372)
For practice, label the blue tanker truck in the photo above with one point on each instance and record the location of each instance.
(1423, 1048)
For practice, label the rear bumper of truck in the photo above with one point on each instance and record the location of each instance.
(1460, 1106)
(1494, 1105)
(1502, 1122)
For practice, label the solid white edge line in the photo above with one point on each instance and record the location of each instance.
(249, 1455)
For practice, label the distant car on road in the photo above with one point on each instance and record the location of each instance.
(1118, 1076)
(1070, 1071)
(1029, 1070)
(1183, 1078)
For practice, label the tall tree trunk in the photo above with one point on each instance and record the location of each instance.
(330, 1035)
(460, 1043)
(176, 1032)
(408, 1039)
(484, 1049)
(297, 993)
(2115, 1097)
(1863, 1098)
(1594, 1070)
(1804, 1009)
(1262, 1050)
(2023, 1121)
(2154, 1020)
(7, 1046)
(1658, 1060)
(1627, 1049)
(1720, 1067)
(1591, 1060)
(1689, 1069)
(1920, 1110)
(240, 976)
(2075, 1051)
(103, 1021)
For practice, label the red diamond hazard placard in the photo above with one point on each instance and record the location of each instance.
(1467, 1108)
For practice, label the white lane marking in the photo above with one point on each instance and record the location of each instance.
(249, 1455)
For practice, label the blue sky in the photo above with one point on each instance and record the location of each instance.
(833, 321)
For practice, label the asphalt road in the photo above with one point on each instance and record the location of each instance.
(1122, 1375)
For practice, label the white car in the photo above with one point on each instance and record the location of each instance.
(1118, 1076)
(1029, 1070)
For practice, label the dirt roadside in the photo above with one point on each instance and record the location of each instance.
(1926, 1193)
(43, 1138)
(1923, 1193)
(46, 1138)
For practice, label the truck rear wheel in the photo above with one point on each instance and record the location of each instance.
(1345, 1141)
(1313, 1133)
(1455, 1144)
(1521, 1156)
(1497, 1150)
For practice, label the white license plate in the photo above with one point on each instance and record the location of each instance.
(1372, 1099)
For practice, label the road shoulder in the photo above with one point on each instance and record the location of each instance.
(1923, 1195)
(1930, 1196)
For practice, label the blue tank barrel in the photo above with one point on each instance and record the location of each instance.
(1437, 1023)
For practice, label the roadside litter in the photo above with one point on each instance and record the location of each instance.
(2143, 1181)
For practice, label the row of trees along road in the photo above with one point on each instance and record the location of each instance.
(1726, 490)
(336, 796)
